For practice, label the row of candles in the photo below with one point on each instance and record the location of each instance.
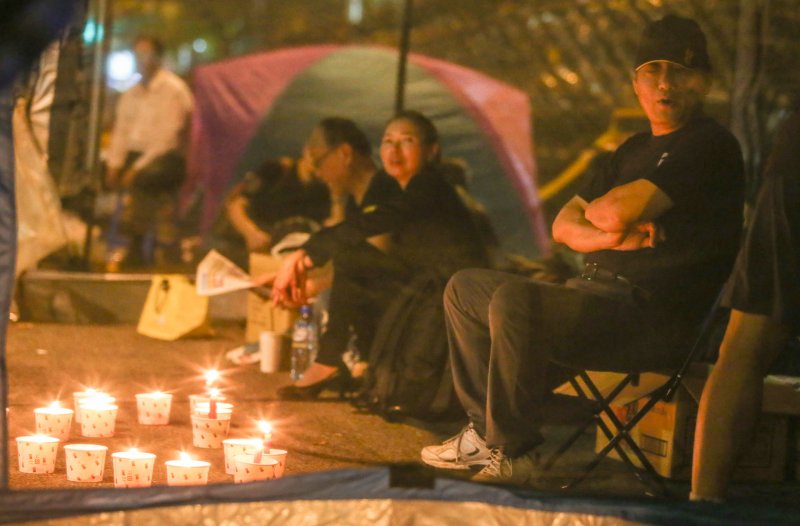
(247, 459)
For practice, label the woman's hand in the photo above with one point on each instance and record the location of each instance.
(288, 287)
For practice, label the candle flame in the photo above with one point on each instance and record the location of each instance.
(211, 376)
(214, 392)
(55, 405)
(265, 427)
(133, 450)
(91, 391)
(185, 457)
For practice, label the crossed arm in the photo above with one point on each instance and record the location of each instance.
(622, 219)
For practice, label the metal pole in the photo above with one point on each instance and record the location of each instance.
(405, 38)
(8, 244)
(100, 11)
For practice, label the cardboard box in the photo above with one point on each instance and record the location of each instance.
(261, 314)
(666, 433)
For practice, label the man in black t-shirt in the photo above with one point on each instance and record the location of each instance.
(659, 229)
(280, 197)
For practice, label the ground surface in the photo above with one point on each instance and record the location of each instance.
(49, 361)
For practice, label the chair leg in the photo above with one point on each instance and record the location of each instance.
(594, 418)
(623, 433)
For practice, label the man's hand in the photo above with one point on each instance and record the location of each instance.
(288, 288)
(645, 235)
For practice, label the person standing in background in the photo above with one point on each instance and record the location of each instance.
(146, 157)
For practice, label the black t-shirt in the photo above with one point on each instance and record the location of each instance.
(766, 278)
(271, 199)
(700, 168)
(380, 191)
(430, 226)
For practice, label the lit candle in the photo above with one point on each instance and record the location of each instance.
(187, 472)
(54, 420)
(212, 402)
(266, 429)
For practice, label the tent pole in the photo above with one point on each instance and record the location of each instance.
(101, 11)
(405, 37)
(8, 253)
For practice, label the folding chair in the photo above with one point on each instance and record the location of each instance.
(617, 432)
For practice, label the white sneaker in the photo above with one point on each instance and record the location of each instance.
(465, 449)
(503, 469)
(244, 354)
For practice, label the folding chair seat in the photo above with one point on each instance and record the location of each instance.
(618, 433)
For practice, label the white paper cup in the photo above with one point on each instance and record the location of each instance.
(37, 454)
(96, 399)
(133, 469)
(270, 344)
(249, 471)
(98, 420)
(187, 472)
(237, 446)
(210, 432)
(54, 421)
(85, 462)
(79, 397)
(279, 456)
(153, 408)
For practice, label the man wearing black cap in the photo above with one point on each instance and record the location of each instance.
(659, 229)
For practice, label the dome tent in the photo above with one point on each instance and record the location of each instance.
(264, 105)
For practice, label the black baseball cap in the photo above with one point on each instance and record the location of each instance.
(674, 39)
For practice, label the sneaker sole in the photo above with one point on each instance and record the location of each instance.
(461, 466)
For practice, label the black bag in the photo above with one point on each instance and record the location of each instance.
(409, 370)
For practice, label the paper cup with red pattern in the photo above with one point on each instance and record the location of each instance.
(37, 454)
(247, 470)
(187, 472)
(153, 408)
(98, 420)
(279, 456)
(91, 396)
(133, 469)
(210, 432)
(237, 446)
(54, 422)
(85, 462)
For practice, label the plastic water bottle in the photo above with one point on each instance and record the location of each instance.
(304, 342)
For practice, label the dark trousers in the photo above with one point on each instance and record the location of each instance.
(152, 204)
(504, 332)
(365, 281)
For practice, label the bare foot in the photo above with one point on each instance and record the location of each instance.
(316, 372)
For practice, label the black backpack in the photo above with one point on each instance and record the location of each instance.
(409, 369)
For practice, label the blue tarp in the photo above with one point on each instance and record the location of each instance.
(377, 484)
